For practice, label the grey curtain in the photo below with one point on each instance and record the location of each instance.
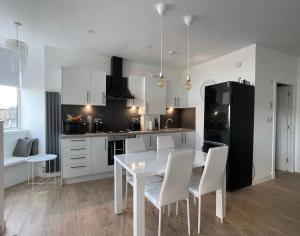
(52, 129)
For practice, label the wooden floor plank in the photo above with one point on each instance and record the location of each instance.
(271, 208)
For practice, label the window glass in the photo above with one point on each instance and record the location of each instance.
(9, 106)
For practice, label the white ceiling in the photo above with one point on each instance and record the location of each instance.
(124, 27)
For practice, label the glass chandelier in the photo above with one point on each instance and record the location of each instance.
(17, 52)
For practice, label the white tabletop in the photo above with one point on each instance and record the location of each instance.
(152, 162)
(40, 158)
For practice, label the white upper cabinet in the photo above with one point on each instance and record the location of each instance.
(136, 87)
(81, 87)
(98, 88)
(177, 96)
(155, 97)
(75, 86)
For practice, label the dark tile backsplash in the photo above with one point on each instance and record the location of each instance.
(115, 115)
(182, 118)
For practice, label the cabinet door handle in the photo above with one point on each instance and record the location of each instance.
(77, 149)
(178, 103)
(75, 167)
(105, 144)
(77, 140)
(150, 141)
(77, 158)
(174, 101)
(182, 138)
(103, 98)
(87, 97)
(146, 107)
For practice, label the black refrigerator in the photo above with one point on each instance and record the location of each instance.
(229, 119)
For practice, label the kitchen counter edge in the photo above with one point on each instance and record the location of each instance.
(103, 134)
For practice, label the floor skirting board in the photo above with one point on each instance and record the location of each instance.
(259, 180)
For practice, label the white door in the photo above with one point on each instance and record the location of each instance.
(282, 122)
(155, 97)
(135, 86)
(98, 88)
(99, 155)
(75, 86)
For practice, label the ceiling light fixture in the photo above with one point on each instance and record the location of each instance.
(188, 20)
(161, 9)
(17, 51)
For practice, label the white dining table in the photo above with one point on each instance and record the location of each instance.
(150, 163)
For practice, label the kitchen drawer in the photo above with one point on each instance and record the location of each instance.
(79, 169)
(76, 142)
(73, 151)
(78, 159)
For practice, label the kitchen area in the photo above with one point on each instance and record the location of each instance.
(99, 112)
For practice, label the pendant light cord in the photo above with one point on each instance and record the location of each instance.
(17, 29)
(161, 43)
(188, 50)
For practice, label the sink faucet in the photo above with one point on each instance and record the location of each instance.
(166, 127)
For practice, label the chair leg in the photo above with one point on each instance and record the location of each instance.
(126, 193)
(188, 215)
(199, 214)
(177, 208)
(159, 222)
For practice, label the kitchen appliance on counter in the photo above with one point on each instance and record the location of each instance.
(116, 144)
(79, 127)
(98, 125)
(229, 119)
(135, 124)
(91, 125)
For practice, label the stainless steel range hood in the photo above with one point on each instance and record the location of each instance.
(117, 87)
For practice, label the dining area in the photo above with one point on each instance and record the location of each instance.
(166, 177)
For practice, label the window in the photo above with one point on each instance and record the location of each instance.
(9, 106)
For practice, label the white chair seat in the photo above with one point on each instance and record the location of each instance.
(152, 192)
(194, 184)
(148, 179)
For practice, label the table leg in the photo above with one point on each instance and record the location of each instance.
(221, 201)
(118, 188)
(138, 206)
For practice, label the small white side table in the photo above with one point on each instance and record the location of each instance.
(36, 159)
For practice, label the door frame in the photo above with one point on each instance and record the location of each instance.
(291, 134)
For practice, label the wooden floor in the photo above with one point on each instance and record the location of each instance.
(271, 208)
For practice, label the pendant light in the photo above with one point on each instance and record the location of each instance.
(17, 51)
(161, 9)
(188, 20)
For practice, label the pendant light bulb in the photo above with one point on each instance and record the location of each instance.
(188, 20)
(161, 9)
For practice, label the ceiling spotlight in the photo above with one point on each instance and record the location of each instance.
(172, 52)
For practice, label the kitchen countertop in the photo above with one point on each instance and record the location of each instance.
(104, 134)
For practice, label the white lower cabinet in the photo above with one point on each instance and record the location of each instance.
(84, 156)
(99, 155)
(181, 139)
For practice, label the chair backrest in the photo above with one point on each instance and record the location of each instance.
(214, 170)
(165, 142)
(133, 145)
(178, 173)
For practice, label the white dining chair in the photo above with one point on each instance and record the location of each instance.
(165, 142)
(135, 145)
(212, 176)
(175, 185)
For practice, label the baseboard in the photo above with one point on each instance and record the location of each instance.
(87, 178)
(262, 179)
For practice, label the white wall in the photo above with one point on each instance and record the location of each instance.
(280, 67)
(297, 139)
(33, 95)
(1, 180)
(220, 69)
(56, 58)
(259, 65)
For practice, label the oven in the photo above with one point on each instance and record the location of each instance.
(116, 145)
